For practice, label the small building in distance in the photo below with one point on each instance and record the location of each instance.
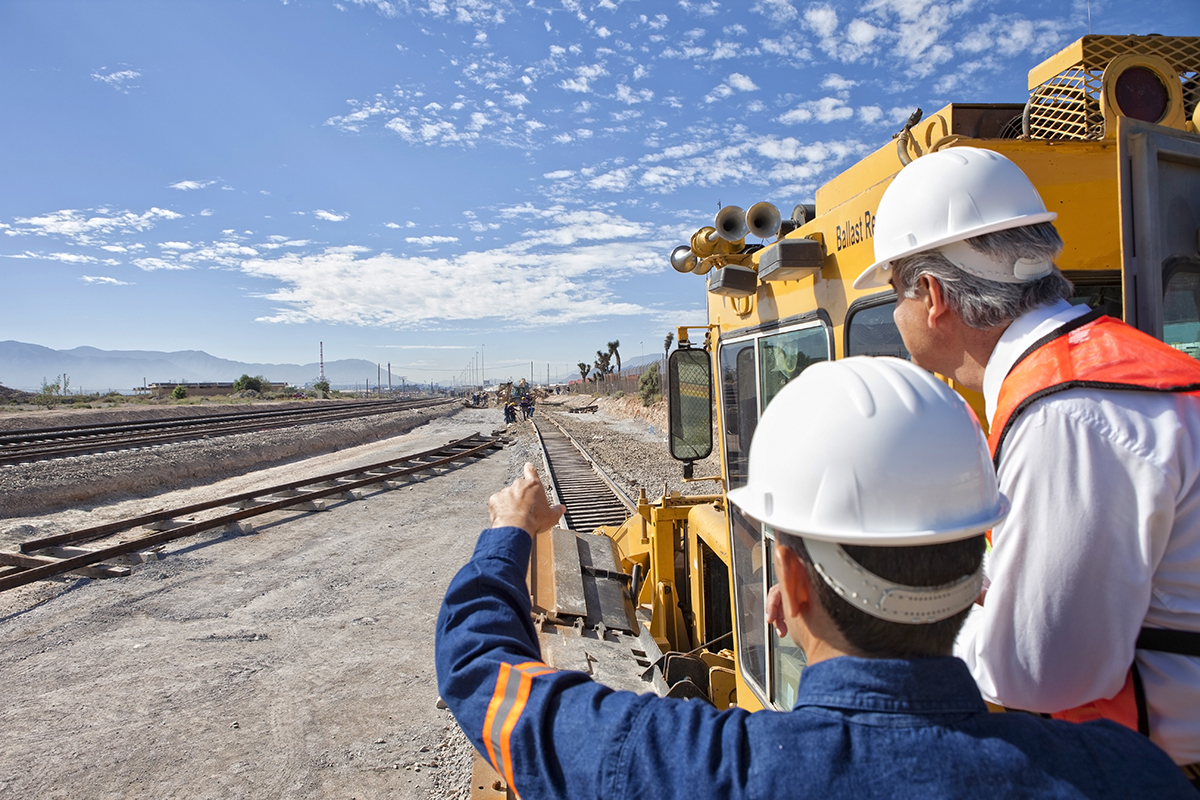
(199, 389)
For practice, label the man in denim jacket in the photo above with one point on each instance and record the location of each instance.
(883, 709)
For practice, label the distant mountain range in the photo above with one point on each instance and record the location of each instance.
(24, 366)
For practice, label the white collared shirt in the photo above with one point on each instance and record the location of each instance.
(1104, 536)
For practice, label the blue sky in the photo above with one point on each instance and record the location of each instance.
(410, 181)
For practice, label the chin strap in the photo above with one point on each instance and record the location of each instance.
(894, 602)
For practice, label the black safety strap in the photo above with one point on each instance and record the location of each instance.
(1183, 643)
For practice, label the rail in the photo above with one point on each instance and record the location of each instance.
(47, 443)
(592, 497)
(249, 504)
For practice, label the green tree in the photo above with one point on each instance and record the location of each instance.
(49, 391)
(322, 387)
(584, 369)
(667, 342)
(246, 383)
(179, 393)
(615, 353)
(603, 362)
(648, 385)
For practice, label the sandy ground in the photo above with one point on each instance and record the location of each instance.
(292, 662)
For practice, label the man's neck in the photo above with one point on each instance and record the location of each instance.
(977, 346)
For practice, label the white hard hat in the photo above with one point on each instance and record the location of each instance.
(945, 197)
(871, 451)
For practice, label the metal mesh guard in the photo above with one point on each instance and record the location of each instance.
(693, 413)
(1067, 106)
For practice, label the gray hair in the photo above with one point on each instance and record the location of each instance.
(981, 303)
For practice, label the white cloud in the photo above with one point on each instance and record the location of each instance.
(741, 82)
(584, 75)
(102, 279)
(425, 241)
(121, 80)
(869, 115)
(330, 216)
(155, 264)
(630, 96)
(776, 11)
(384, 8)
(554, 275)
(175, 245)
(827, 109)
(837, 82)
(1011, 35)
(722, 50)
(735, 82)
(72, 258)
(704, 9)
(187, 186)
(90, 227)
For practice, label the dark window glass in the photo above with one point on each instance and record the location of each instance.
(1181, 304)
(1098, 290)
(785, 355)
(739, 394)
(871, 331)
(748, 579)
(787, 659)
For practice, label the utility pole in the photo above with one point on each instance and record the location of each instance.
(378, 378)
(321, 378)
(389, 377)
(482, 378)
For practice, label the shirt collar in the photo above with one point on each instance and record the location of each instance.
(1023, 332)
(908, 686)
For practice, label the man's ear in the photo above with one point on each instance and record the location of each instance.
(934, 298)
(797, 589)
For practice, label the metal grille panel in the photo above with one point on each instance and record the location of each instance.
(1066, 105)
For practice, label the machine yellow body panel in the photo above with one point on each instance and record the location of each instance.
(687, 546)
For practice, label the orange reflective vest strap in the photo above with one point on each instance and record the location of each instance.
(1127, 707)
(1095, 351)
(513, 683)
(1092, 351)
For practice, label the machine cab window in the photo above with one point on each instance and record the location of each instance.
(754, 368)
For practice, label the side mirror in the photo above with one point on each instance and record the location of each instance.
(689, 406)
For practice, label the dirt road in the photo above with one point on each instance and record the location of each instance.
(292, 662)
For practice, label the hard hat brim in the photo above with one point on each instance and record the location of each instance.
(879, 274)
(749, 502)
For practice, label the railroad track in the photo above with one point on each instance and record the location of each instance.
(47, 443)
(578, 482)
(54, 555)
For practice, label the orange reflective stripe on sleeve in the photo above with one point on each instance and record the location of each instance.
(508, 701)
(491, 733)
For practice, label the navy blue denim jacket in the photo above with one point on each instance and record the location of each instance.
(861, 728)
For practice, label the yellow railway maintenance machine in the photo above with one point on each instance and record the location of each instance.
(1108, 136)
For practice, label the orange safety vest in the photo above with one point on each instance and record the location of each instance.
(1098, 352)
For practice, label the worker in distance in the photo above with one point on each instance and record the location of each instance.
(1093, 603)
(879, 547)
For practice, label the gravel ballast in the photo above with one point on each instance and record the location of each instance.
(292, 661)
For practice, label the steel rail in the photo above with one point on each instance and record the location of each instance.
(190, 430)
(470, 447)
(65, 431)
(577, 481)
